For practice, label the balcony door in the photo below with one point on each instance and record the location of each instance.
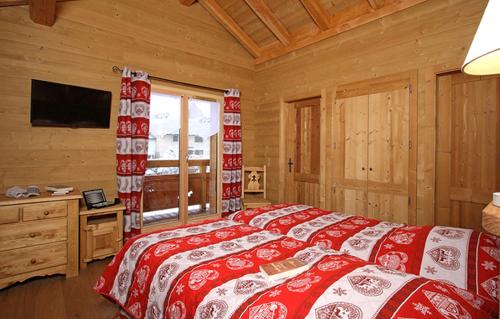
(182, 180)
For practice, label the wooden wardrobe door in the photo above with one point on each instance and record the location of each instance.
(354, 135)
(468, 148)
(388, 155)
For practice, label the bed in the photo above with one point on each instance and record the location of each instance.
(211, 270)
(462, 257)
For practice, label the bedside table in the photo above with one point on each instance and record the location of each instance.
(101, 233)
(491, 219)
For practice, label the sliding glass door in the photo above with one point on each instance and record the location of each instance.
(182, 181)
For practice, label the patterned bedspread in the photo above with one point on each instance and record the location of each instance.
(211, 270)
(463, 257)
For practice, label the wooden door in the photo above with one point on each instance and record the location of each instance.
(303, 152)
(377, 122)
(388, 155)
(468, 146)
(354, 133)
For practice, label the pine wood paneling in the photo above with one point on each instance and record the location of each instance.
(431, 37)
(88, 38)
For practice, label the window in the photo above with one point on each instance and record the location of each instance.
(184, 148)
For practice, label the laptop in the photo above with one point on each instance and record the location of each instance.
(95, 198)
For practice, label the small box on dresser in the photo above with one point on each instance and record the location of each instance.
(38, 237)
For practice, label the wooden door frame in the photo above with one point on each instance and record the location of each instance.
(285, 103)
(185, 94)
(427, 142)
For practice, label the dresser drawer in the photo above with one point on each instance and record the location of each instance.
(29, 259)
(9, 214)
(44, 211)
(32, 233)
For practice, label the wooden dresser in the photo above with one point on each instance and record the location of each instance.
(38, 237)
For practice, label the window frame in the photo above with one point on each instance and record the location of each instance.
(184, 162)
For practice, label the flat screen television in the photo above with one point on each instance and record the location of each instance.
(55, 104)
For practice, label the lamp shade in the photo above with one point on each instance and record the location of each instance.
(483, 57)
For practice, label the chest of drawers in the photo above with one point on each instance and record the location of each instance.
(38, 237)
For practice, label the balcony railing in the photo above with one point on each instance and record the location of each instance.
(161, 188)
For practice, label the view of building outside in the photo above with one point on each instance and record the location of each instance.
(161, 185)
(165, 119)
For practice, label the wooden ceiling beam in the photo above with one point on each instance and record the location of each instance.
(15, 3)
(269, 19)
(187, 3)
(375, 4)
(43, 11)
(317, 13)
(228, 22)
(339, 25)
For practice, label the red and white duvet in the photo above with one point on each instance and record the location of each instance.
(211, 270)
(463, 257)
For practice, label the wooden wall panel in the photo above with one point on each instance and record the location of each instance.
(431, 37)
(88, 38)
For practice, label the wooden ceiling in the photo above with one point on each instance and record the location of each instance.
(272, 28)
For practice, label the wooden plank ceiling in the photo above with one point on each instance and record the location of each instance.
(272, 28)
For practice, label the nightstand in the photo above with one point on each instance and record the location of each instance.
(101, 233)
(491, 219)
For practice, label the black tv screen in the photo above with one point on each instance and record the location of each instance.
(55, 104)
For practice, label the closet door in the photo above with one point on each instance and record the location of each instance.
(377, 174)
(468, 148)
(388, 155)
(354, 134)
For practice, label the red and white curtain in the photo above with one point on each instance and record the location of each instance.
(132, 145)
(231, 154)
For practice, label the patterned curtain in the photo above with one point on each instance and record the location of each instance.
(231, 153)
(132, 145)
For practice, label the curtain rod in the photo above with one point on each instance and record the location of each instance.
(118, 70)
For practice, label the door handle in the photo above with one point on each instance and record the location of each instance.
(290, 163)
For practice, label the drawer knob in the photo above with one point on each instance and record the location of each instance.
(32, 235)
(46, 213)
(33, 261)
